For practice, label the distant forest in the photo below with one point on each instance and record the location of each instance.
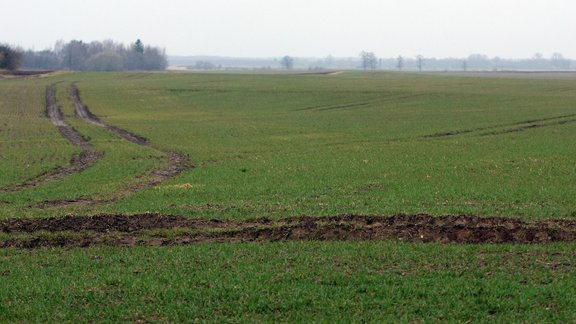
(96, 56)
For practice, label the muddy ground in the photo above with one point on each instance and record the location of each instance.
(157, 229)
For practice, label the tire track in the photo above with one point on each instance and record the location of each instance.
(509, 128)
(79, 162)
(177, 162)
(123, 230)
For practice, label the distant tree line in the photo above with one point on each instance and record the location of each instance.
(479, 62)
(96, 56)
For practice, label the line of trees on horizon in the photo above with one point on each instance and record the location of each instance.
(369, 61)
(106, 55)
(557, 61)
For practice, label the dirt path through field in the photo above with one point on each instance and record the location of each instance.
(79, 162)
(176, 163)
(157, 229)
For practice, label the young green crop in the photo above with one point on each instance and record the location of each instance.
(29, 144)
(291, 282)
(280, 145)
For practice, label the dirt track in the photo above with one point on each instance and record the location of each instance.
(84, 113)
(79, 162)
(177, 162)
(121, 230)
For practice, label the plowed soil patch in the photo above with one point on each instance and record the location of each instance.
(157, 229)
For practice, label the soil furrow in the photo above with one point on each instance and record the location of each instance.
(123, 230)
(79, 162)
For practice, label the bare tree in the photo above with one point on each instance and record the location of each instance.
(559, 62)
(329, 60)
(105, 61)
(369, 60)
(419, 62)
(75, 54)
(287, 62)
(399, 63)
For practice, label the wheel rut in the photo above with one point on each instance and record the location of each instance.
(176, 161)
(509, 128)
(78, 162)
(158, 229)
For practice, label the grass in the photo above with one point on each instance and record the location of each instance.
(284, 145)
(29, 143)
(291, 282)
(281, 145)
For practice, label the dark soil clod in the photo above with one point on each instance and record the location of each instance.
(123, 230)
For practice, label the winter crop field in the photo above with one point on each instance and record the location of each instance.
(288, 197)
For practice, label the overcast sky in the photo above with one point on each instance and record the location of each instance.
(272, 28)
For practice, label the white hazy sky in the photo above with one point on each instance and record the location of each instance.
(271, 28)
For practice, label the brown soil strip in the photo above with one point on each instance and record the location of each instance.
(24, 72)
(79, 162)
(122, 230)
(177, 162)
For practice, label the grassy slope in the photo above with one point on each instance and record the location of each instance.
(295, 282)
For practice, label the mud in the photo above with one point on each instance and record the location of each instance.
(122, 230)
(78, 162)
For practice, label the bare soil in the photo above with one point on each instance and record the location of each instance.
(24, 72)
(123, 230)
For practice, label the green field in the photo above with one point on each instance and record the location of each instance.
(283, 145)
(278, 145)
